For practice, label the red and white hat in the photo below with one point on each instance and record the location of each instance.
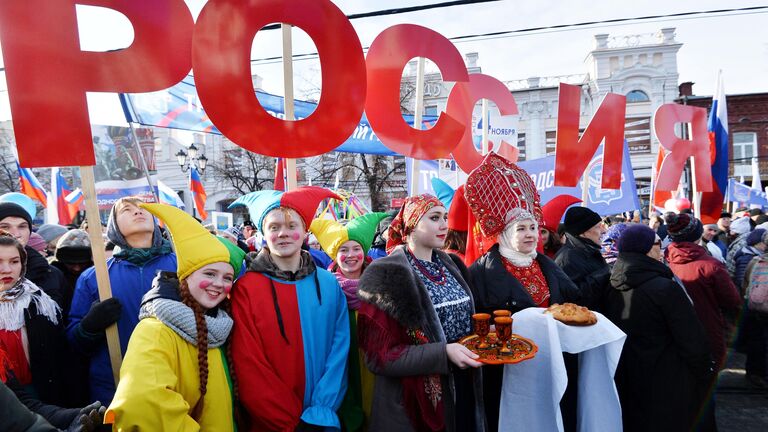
(499, 192)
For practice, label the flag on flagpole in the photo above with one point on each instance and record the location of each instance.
(30, 186)
(62, 211)
(279, 175)
(198, 192)
(75, 197)
(712, 202)
(168, 195)
(756, 183)
(659, 198)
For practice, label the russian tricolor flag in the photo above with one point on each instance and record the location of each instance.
(30, 186)
(75, 198)
(60, 191)
(198, 192)
(712, 202)
(168, 195)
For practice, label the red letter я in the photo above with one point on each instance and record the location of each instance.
(679, 150)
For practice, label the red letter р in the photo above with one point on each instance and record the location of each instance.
(387, 57)
(48, 75)
(572, 154)
(679, 150)
(221, 57)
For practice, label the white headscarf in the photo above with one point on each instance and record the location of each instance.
(506, 242)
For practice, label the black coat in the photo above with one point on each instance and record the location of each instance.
(14, 416)
(48, 356)
(493, 287)
(665, 364)
(48, 278)
(582, 261)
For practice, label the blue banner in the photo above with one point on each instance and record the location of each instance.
(542, 171)
(602, 201)
(179, 108)
(745, 195)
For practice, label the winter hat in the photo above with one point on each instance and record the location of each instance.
(332, 234)
(303, 200)
(443, 191)
(755, 212)
(683, 227)
(636, 238)
(756, 237)
(500, 193)
(74, 247)
(580, 219)
(13, 209)
(50, 232)
(740, 226)
(725, 215)
(195, 246)
(555, 208)
(37, 243)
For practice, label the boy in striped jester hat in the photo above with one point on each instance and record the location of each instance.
(176, 361)
(292, 338)
(348, 245)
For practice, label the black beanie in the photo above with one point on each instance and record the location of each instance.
(636, 238)
(683, 227)
(580, 219)
(13, 209)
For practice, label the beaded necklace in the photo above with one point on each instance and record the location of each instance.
(438, 278)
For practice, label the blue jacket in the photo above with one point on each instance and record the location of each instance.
(129, 284)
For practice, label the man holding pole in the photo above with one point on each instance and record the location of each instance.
(142, 252)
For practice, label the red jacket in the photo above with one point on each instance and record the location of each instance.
(710, 287)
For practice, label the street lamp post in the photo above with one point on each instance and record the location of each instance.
(188, 160)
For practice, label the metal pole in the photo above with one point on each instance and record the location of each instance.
(143, 162)
(417, 116)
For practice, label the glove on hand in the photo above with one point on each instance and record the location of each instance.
(102, 315)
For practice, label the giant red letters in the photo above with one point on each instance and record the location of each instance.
(48, 75)
(387, 56)
(461, 103)
(679, 150)
(221, 58)
(573, 154)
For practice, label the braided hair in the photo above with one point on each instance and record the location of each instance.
(202, 344)
(202, 352)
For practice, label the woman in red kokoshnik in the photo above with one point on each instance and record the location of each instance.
(511, 275)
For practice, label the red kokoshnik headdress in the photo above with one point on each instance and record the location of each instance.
(499, 192)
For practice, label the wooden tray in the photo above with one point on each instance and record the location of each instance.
(522, 349)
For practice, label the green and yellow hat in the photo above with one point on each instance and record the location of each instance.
(332, 234)
(195, 246)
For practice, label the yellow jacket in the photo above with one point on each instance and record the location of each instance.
(159, 385)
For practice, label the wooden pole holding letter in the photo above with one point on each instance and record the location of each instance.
(100, 262)
(290, 164)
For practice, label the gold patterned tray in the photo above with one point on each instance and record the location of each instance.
(521, 349)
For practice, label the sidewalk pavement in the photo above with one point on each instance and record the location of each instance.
(740, 407)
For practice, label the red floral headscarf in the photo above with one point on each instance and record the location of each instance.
(406, 219)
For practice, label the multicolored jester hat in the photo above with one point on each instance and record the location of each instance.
(195, 246)
(332, 234)
(304, 200)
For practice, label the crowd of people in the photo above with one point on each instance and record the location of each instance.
(296, 323)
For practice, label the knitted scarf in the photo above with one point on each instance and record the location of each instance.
(140, 256)
(181, 319)
(349, 287)
(15, 301)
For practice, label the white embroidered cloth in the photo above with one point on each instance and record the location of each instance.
(531, 392)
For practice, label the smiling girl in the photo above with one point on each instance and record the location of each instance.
(175, 374)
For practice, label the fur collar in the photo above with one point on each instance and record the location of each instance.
(390, 284)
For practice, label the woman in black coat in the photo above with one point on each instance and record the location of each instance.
(665, 364)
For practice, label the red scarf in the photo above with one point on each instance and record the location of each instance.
(532, 279)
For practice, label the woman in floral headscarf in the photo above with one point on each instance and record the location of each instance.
(415, 307)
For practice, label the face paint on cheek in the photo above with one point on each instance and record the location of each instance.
(359, 256)
(295, 236)
(273, 238)
(342, 257)
(205, 284)
(227, 289)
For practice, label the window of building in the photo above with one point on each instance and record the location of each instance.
(744, 145)
(550, 141)
(521, 146)
(431, 110)
(637, 96)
